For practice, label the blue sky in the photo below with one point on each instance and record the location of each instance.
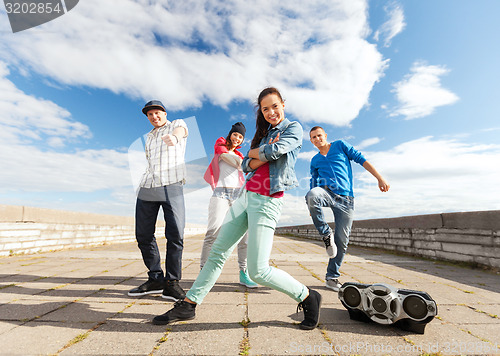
(412, 84)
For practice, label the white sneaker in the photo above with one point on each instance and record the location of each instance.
(331, 249)
(333, 284)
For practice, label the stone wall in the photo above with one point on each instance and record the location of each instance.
(472, 237)
(29, 230)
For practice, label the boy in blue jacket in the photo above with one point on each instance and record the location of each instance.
(331, 186)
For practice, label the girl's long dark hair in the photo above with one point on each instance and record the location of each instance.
(261, 125)
(229, 143)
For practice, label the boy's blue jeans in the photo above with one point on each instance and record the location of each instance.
(343, 212)
(258, 214)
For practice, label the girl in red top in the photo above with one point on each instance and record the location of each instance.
(226, 178)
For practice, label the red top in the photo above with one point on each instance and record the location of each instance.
(212, 173)
(260, 182)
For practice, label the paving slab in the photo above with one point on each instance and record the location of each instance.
(40, 338)
(75, 302)
(283, 338)
(6, 326)
(462, 314)
(204, 336)
(364, 339)
(449, 339)
(129, 332)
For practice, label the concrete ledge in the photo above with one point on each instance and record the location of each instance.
(10, 213)
(483, 220)
(25, 230)
(415, 222)
(471, 237)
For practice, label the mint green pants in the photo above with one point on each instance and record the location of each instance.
(258, 214)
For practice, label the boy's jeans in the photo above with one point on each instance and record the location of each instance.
(343, 212)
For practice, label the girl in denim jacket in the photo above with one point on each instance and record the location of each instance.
(270, 164)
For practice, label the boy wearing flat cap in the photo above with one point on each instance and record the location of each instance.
(162, 185)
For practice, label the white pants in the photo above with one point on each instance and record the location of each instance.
(217, 209)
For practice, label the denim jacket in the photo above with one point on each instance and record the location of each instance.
(281, 155)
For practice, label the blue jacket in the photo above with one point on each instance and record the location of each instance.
(334, 170)
(281, 155)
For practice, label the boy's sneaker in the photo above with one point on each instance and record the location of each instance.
(246, 281)
(333, 284)
(182, 310)
(331, 248)
(311, 306)
(173, 291)
(149, 287)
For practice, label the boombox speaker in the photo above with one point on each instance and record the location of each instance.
(409, 310)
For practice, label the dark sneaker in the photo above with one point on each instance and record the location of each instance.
(311, 306)
(333, 284)
(182, 310)
(173, 291)
(331, 249)
(148, 287)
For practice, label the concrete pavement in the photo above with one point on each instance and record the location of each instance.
(74, 302)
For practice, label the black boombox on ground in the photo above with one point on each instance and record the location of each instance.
(410, 310)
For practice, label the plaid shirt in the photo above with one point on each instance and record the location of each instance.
(165, 163)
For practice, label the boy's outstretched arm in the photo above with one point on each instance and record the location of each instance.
(382, 184)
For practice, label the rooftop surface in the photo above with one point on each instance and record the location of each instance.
(75, 302)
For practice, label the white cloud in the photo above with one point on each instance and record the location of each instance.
(30, 131)
(427, 175)
(239, 117)
(491, 129)
(430, 175)
(294, 210)
(420, 92)
(368, 142)
(197, 205)
(191, 51)
(27, 168)
(25, 118)
(307, 155)
(393, 26)
(36, 159)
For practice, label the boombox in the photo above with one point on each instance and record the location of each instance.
(410, 310)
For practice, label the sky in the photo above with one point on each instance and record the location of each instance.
(413, 85)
